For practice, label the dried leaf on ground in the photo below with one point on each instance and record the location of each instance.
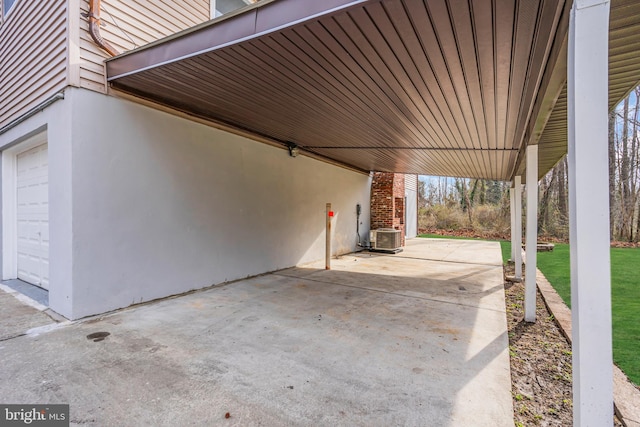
(540, 364)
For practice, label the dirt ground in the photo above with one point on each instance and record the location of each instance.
(540, 364)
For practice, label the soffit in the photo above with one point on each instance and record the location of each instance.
(431, 87)
(624, 76)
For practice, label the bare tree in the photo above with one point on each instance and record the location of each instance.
(624, 171)
(612, 173)
(467, 196)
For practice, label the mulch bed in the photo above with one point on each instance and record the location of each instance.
(625, 244)
(491, 235)
(540, 364)
(466, 232)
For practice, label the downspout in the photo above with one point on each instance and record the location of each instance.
(94, 28)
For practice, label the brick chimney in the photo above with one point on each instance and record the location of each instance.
(387, 201)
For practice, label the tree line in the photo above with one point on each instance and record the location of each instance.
(624, 169)
(483, 205)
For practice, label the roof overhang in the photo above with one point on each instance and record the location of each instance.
(453, 88)
(624, 76)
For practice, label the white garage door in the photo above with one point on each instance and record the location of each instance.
(32, 196)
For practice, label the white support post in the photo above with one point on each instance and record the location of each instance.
(587, 82)
(327, 254)
(518, 227)
(512, 209)
(531, 248)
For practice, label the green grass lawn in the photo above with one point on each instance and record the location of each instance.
(506, 250)
(625, 297)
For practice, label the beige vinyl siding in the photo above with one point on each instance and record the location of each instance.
(132, 23)
(33, 56)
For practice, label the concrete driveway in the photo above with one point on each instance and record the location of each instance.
(413, 339)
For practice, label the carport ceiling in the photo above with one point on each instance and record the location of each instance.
(440, 87)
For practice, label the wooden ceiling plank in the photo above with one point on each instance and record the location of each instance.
(450, 52)
(423, 25)
(422, 73)
(373, 46)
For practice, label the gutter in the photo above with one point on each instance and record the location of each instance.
(58, 96)
(94, 27)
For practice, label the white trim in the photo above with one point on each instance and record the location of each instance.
(73, 43)
(8, 11)
(9, 202)
(213, 12)
(583, 4)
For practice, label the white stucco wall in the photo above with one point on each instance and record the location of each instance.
(55, 120)
(162, 205)
(149, 204)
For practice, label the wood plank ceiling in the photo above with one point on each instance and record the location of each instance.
(438, 87)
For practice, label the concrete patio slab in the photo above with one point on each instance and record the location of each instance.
(19, 314)
(37, 294)
(413, 339)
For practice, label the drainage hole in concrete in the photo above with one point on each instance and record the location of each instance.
(98, 336)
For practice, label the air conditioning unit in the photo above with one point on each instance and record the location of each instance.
(386, 240)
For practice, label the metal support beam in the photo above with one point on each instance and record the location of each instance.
(587, 81)
(512, 210)
(518, 226)
(531, 248)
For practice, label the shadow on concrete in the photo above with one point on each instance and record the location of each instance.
(378, 340)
